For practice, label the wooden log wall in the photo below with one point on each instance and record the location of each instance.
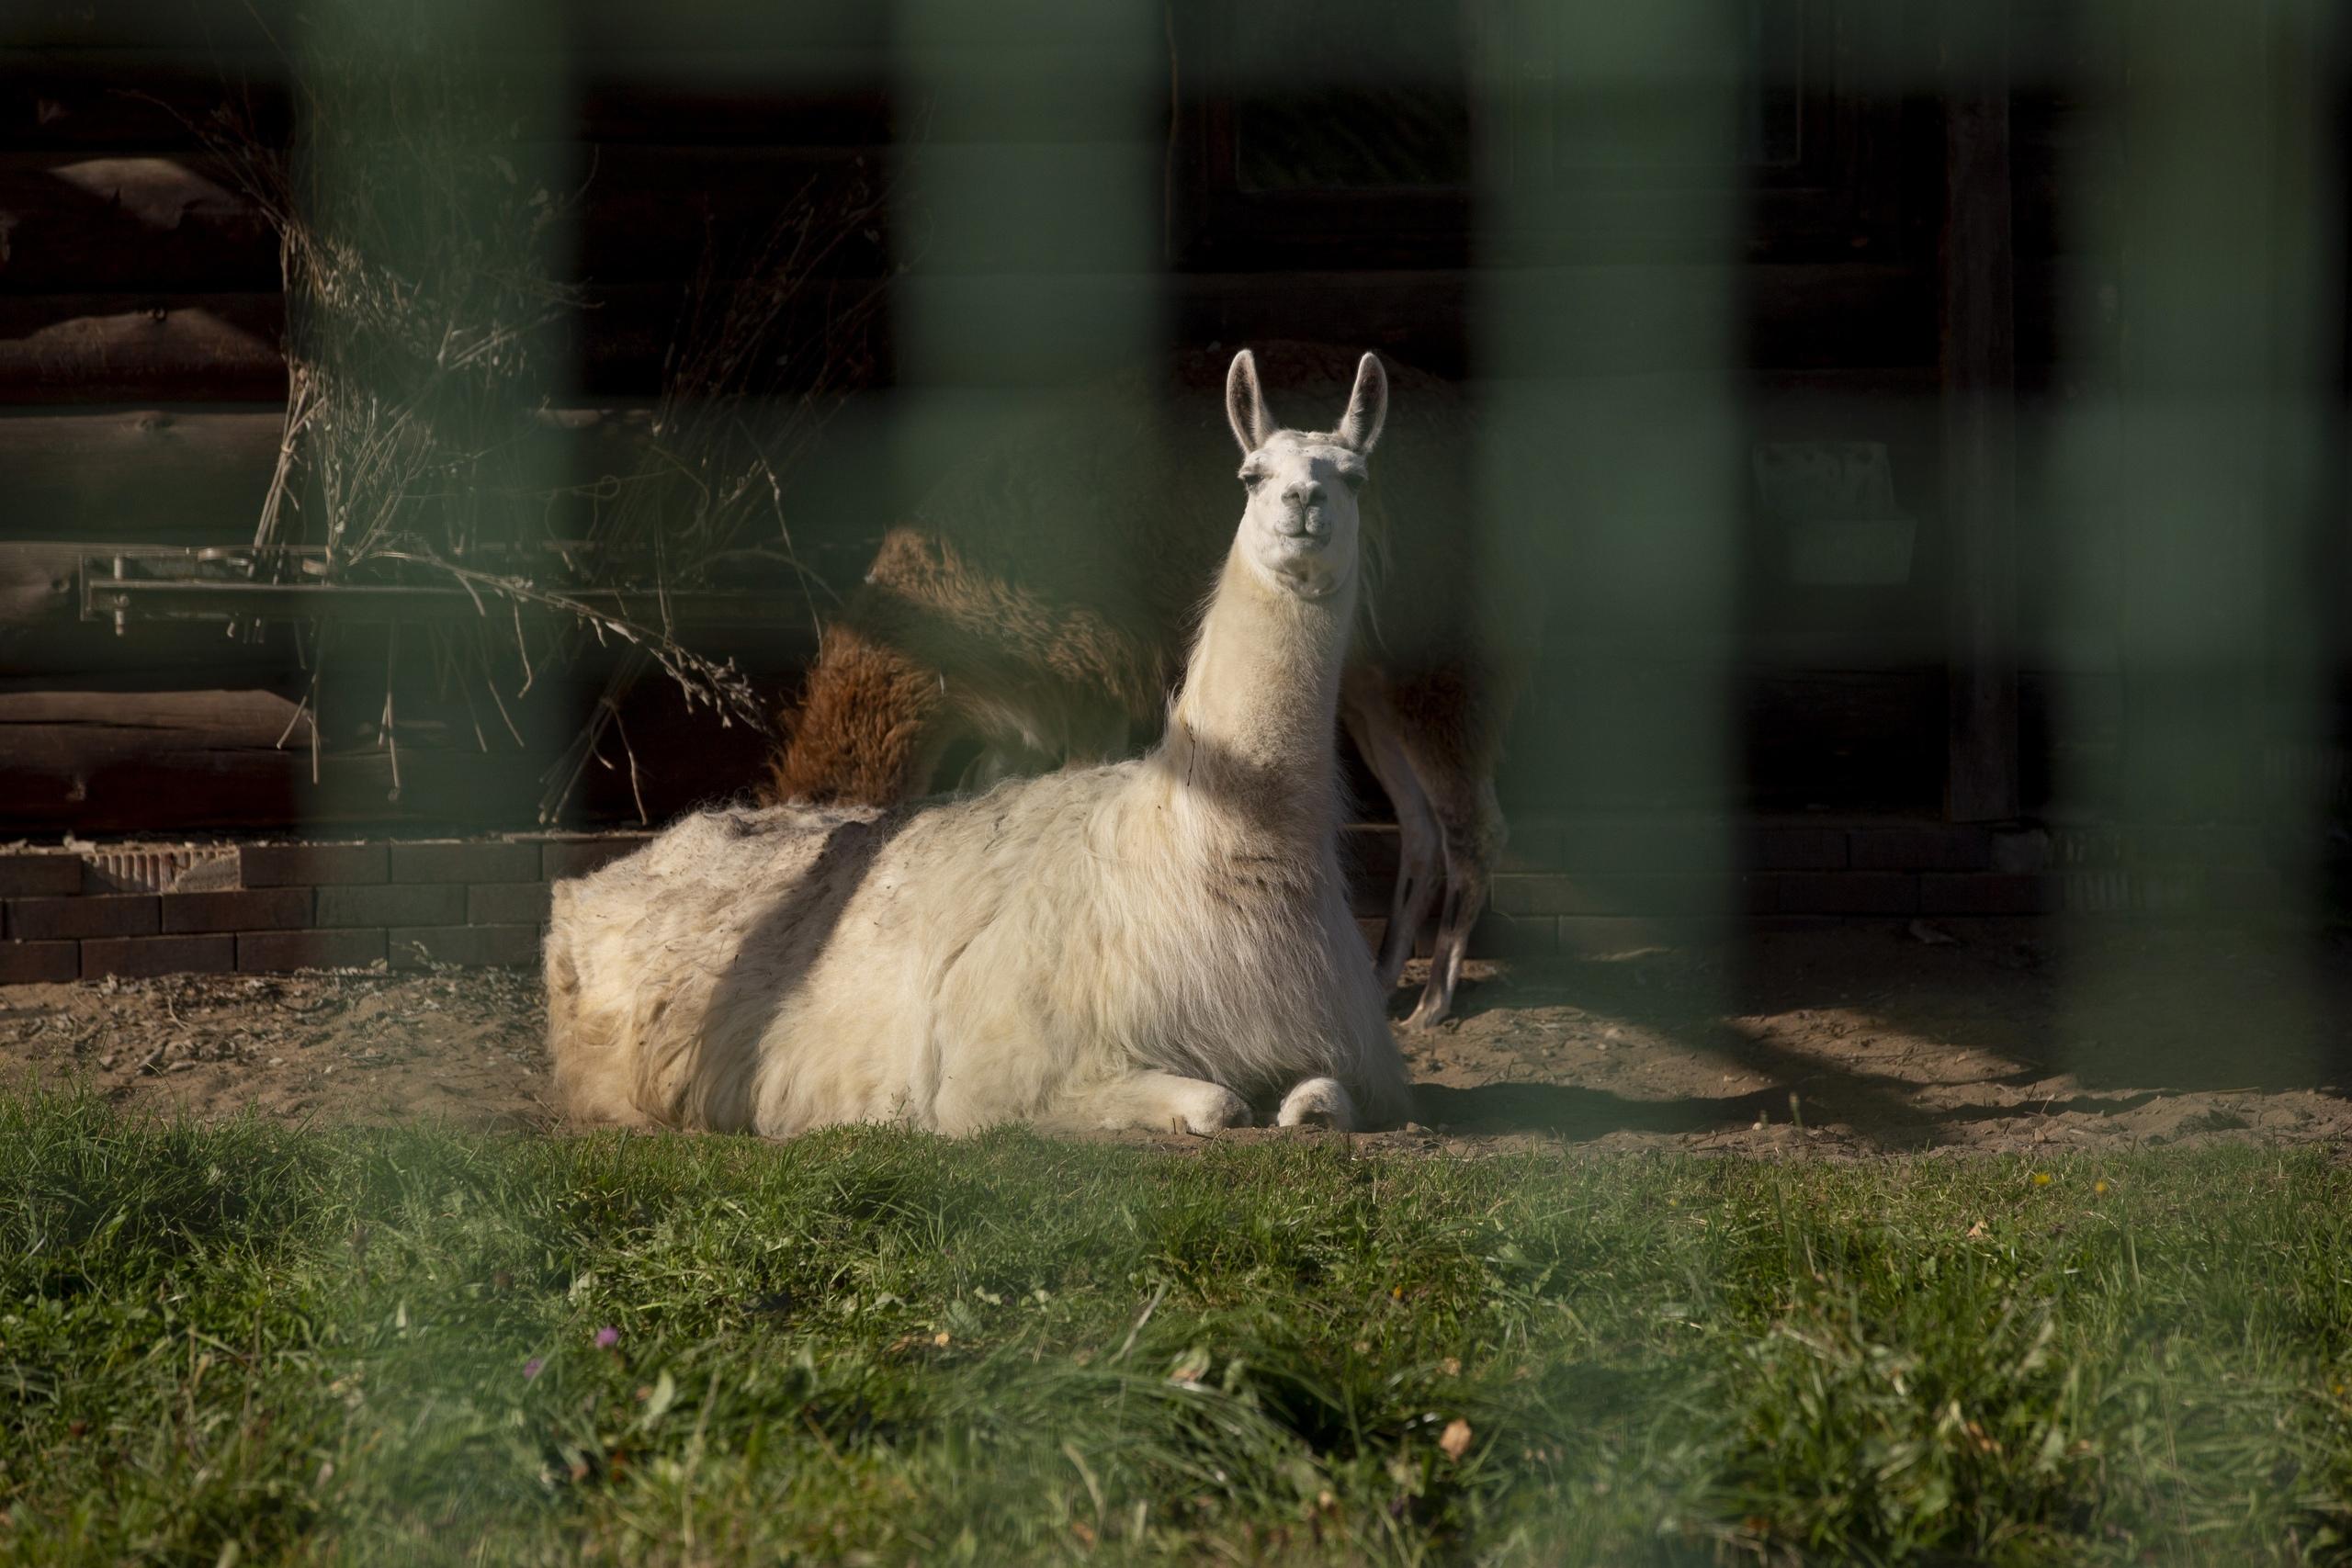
(142, 381)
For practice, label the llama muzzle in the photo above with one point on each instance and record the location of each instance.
(1308, 524)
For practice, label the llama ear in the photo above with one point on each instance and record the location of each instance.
(1245, 405)
(1367, 406)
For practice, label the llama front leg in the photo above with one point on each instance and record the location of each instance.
(1319, 1102)
(1159, 1102)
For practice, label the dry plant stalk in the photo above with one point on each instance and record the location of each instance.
(707, 491)
(430, 329)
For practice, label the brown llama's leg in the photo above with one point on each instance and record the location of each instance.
(1420, 869)
(1448, 726)
(869, 729)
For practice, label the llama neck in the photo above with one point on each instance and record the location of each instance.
(1251, 736)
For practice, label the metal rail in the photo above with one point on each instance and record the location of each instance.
(165, 584)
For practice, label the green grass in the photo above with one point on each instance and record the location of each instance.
(251, 1343)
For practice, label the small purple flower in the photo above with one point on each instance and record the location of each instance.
(531, 1368)
(607, 1337)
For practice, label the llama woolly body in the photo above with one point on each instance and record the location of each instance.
(1160, 942)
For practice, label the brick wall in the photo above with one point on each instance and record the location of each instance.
(258, 908)
(1566, 885)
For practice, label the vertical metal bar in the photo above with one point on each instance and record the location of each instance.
(1613, 462)
(1979, 415)
(1026, 203)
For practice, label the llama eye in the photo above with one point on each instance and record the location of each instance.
(1251, 481)
(1354, 481)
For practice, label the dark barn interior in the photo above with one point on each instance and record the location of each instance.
(1995, 358)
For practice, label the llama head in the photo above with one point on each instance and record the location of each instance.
(1299, 527)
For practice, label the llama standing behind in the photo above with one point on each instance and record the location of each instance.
(1157, 942)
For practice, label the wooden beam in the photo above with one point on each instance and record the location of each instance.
(1980, 416)
(118, 349)
(166, 763)
(813, 43)
(197, 475)
(224, 348)
(147, 98)
(138, 475)
(179, 220)
(218, 348)
(87, 221)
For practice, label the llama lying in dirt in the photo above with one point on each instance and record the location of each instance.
(1160, 943)
(1038, 601)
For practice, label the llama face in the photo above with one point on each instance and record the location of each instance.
(1299, 525)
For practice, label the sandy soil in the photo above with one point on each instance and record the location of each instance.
(1842, 1041)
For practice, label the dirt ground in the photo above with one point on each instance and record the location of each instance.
(1844, 1041)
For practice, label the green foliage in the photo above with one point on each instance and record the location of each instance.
(878, 1346)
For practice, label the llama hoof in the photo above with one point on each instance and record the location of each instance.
(1429, 1012)
(1208, 1108)
(1317, 1102)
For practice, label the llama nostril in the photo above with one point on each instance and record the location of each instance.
(1304, 494)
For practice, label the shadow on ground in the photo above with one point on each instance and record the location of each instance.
(1996, 1034)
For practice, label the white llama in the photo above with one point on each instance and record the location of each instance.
(1161, 943)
